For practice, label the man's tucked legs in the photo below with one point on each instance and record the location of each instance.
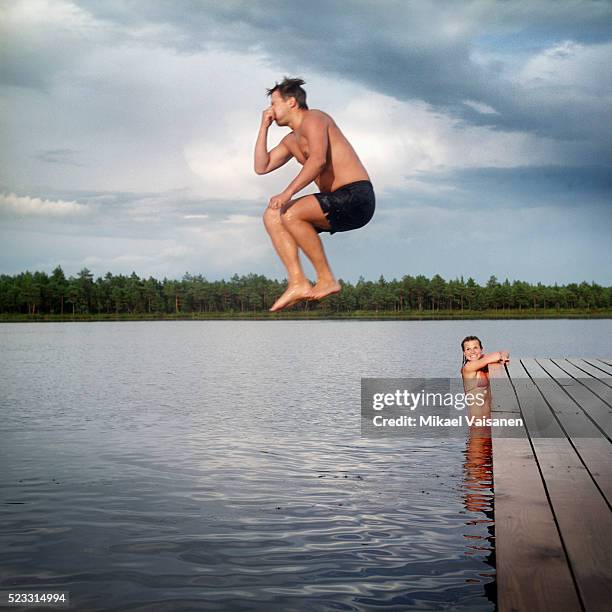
(299, 219)
(285, 245)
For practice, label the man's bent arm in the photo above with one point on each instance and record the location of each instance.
(266, 162)
(261, 150)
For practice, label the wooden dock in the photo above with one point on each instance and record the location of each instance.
(553, 485)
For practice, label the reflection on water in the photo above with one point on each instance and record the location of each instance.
(478, 501)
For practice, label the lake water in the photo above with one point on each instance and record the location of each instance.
(219, 465)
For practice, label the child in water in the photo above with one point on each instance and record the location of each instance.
(475, 367)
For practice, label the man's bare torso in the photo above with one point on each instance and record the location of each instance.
(343, 166)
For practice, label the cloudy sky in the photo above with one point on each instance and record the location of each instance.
(127, 132)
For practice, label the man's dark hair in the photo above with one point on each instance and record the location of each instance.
(291, 88)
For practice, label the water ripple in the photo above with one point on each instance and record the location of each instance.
(138, 485)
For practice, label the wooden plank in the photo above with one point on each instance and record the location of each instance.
(584, 520)
(538, 417)
(591, 370)
(604, 364)
(574, 421)
(503, 397)
(604, 370)
(597, 386)
(594, 450)
(599, 412)
(532, 569)
(597, 456)
(504, 403)
(516, 370)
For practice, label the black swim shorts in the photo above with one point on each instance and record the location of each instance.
(349, 207)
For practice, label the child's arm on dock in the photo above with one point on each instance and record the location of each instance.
(485, 360)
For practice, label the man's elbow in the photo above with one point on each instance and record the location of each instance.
(318, 162)
(261, 170)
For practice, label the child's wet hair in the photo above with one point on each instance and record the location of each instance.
(468, 339)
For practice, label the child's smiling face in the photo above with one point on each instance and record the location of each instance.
(472, 350)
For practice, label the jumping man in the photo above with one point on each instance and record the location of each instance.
(346, 198)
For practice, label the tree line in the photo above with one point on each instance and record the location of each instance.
(37, 293)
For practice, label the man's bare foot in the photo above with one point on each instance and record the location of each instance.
(293, 294)
(324, 288)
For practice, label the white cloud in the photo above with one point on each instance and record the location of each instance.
(242, 219)
(37, 207)
(231, 242)
(571, 69)
(481, 107)
(45, 13)
(223, 161)
(397, 141)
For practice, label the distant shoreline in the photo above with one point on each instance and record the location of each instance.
(441, 315)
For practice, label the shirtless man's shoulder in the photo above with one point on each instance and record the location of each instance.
(343, 165)
(312, 118)
(315, 113)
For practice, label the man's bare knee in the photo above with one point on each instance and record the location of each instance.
(271, 218)
(288, 216)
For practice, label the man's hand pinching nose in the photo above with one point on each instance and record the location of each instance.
(267, 117)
